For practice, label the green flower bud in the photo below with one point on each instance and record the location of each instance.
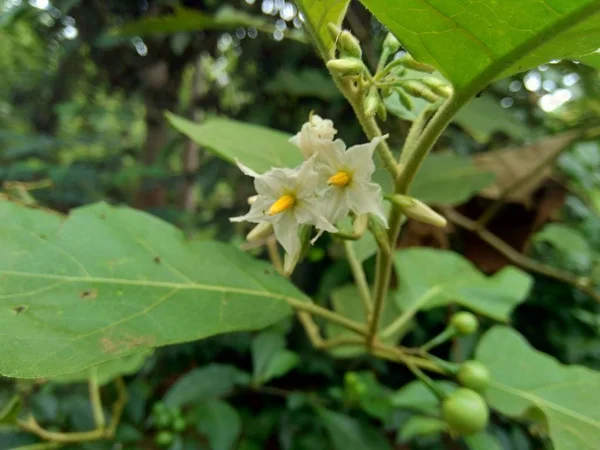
(164, 439)
(409, 62)
(405, 99)
(263, 229)
(349, 45)
(416, 209)
(371, 102)
(382, 111)
(346, 66)
(391, 44)
(360, 224)
(418, 89)
(437, 86)
(334, 30)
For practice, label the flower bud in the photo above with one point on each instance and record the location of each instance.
(263, 229)
(409, 62)
(360, 224)
(349, 45)
(386, 92)
(382, 111)
(405, 99)
(252, 199)
(437, 86)
(418, 89)
(391, 44)
(371, 102)
(416, 209)
(346, 66)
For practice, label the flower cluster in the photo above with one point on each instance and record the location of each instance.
(332, 182)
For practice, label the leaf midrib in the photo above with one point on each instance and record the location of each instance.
(542, 402)
(160, 284)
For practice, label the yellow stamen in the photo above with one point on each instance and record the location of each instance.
(284, 202)
(340, 179)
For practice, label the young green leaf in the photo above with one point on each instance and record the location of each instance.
(108, 282)
(457, 281)
(319, 14)
(257, 147)
(525, 380)
(220, 422)
(347, 433)
(270, 359)
(419, 426)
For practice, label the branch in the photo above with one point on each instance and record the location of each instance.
(584, 284)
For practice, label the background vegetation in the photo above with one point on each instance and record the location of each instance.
(85, 88)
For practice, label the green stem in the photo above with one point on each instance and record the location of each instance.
(407, 315)
(433, 387)
(326, 314)
(415, 132)
(95, 399)
(448, 333)
(359, 277)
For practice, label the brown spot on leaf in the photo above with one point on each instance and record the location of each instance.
(267, 272)
(103, 216)
(19, 309)
(90, 294)
(125, 343)
(43, 236)
(156, 259)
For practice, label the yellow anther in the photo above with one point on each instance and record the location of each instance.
(340, 179)
(284, 202)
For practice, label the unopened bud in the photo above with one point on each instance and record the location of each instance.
(263, 229)
(360, 224)
(411, 63)
(334, 30)
(416, 209)
(252, 199)
(386, 92)
(349, 45)
(405, 99)
(382, 111)
(437, 86)
(346, 66)
(391, 43)
(371, 102)
(418, 89)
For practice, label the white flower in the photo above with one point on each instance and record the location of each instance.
(317, 134)
(348, 176)
(286, 199)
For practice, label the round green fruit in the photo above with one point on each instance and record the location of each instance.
(179, 424)
(164, 439)
(465, 411)
(464, 323)
(473, 375)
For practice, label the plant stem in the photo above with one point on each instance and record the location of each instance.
(95, 399)
(359, 277)
(584, 284)
(397, 355)
(448, 333)
(403, 319)
(326, 314)
(118, 407)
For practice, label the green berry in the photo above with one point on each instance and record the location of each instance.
(164, 439)
(464, 323)
(473, 375)
(465, 411)
(162, 420)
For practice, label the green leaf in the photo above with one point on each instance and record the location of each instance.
(569, 242)
(187, 20)
(259, 148)
(483, 441)
(473, 43)
(220, 422)
(346, 301)
(319, 13)
(303, 83)
(109, 282)
(419, 426)
(418, 397)
(592, 60)
(108, 371)
(198, 385)
(372, 397)
(525, 381)
(270, 359)
(449, 179)
(347, 433)
(450, 278)
(10, 411)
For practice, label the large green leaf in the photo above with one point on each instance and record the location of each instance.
(526, 382)
(259, 148)
(450, 278)
(570, 244)
(347, 433)
(108, 282)
(220, 422)
(449, 179)
(419, 426)
(319, 13)
(472, 43)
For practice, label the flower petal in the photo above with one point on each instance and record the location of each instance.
(246, 170)
(257, 213)
(364, 197)
(360, 158)
(275, 182)
(310, 213)
(334, 204)
(286, 232)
